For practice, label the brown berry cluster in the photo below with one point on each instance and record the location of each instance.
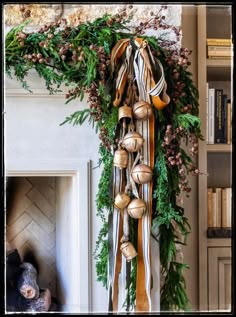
(119, 17)
(96, 112)
(104, 61)
(194, 148)
(52, 26)
(95, 102)
(157, 22)
(173, 155)
(103, 136)
(25, 13)
(77, 54)
(187, 109)
(73, 92)
(20, 36)
(36, 58)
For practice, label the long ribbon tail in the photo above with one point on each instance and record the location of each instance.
(114, 235)
(144, 78)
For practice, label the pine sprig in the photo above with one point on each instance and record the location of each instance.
(78, 117)
(173, 294)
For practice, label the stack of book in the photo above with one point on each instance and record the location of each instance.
(218, 116)
(219, 207)
(219, 48)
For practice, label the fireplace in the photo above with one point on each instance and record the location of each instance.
(46, 215)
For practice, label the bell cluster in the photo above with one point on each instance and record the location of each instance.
(132, 142)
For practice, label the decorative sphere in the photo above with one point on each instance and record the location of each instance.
(142, 174)
(136, 208)
(133, 141)
(142, 110)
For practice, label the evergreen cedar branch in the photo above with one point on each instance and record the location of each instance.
(79, 57)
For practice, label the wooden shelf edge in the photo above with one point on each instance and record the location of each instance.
(219, 147)
(216, 233)
(219, 62)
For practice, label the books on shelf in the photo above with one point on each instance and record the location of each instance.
(218, 116)
(219, 207)
(219, 48)
(219, 51)
(219, 42)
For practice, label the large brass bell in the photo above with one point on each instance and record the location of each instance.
(133, 141)
(142, 174)
(136, 208)
(142, 110)
(121, 200)
(125, 112)
(121, 158)
(128, 251)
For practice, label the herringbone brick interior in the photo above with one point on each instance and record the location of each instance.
(31, 224)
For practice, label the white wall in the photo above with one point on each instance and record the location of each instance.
(32, 131)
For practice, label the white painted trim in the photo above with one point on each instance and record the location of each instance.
(80, 170)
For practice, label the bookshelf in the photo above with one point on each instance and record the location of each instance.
(215, 162)
(219, 148)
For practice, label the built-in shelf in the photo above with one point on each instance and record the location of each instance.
(219, 62)
(219, 69)
(219, 148)
(219, 233)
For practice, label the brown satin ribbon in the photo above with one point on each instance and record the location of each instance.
(142, 304)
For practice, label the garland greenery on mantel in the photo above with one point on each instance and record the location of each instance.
(79, 57)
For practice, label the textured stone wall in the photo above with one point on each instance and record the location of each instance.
(41, 14)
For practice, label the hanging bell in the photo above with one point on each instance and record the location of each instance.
(120, 158)
(125, 112)
(133, 141)
(121, 200)
(128, 251)
(142, 174)
(136, 208)
(142, 110)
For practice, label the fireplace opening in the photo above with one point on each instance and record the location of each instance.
(39, 222)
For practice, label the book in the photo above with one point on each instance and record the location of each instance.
(226, 207)
(219, 42)
(224, 118)
(207, 134)
(220, 57)
(229, 121)
(211, 116)
(218, 116)
(216, 48)
(223, 51)
(214, 207)
(209, 208)
(218, 207)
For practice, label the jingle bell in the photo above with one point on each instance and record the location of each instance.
(121, 200)
(128, 251)
(125, 112)
(120, 159)
(142, 174)
(133, 141)
(142, 110)
(136, 208)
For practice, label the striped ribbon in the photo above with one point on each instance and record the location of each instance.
(152, 91)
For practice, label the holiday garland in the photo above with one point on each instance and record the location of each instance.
(81, 58)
